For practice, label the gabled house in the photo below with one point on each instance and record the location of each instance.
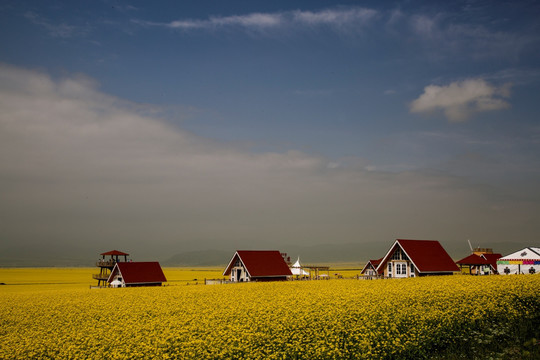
(128, 274)
(370, 269)
(257, 265)
(492, 259)
(479, 264)
(106, 265)
(525, 261)
(474, 265)
(412, 258)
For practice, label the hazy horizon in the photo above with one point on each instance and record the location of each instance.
(174, 127)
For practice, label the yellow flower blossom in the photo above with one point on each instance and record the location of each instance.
(335, 319)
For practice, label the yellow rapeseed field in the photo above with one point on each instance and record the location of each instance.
(32, 279)
(334, 319)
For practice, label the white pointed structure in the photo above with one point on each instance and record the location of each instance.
(297, 270)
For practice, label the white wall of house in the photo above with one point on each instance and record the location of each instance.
(399, 265)
(118, 281)
(514, 269)
(239, 273)
(371, 272)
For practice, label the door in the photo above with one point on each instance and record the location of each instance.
(401, 269)
(239, 275)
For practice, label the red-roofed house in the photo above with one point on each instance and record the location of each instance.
(411, 258)
(127, 274)
(106, 265)
(483, 264)
(257, 265)
(371, 268)
(492, 259)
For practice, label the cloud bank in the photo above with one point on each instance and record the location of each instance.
(55, 30)
(425, 31)
(461, 99)
(337, 18)
(81, 166)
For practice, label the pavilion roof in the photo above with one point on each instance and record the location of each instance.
(114, 252)
(473, 259)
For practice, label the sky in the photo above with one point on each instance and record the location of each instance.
(162, 127)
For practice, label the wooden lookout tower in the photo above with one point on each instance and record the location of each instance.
(106, 265)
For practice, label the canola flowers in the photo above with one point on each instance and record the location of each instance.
(335, 319)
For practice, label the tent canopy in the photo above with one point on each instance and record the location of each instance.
(529, 253)
(296, 269)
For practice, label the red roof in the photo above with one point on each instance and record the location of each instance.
(139, 272)
(260, 263)
(428, 256)
(492, 259)
(114, 252)
(473, 259)
(374, 264)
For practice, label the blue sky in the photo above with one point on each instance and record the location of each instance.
(270, 122)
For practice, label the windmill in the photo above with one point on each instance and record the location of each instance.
(469, 241)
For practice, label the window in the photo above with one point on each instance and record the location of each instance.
(401, 269)
(399, 254)
(389, 267)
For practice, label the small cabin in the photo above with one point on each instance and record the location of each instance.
(106, 264)
(370, 269)
(492, 259)
(413, 258)
(479, 263)
(257, 265)
(130, 274)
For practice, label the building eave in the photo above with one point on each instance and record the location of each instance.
(384, 261)
(228, 269)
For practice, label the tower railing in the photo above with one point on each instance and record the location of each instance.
(100, 276)
(105, 263)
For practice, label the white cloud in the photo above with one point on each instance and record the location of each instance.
(255, 20)
(424, 26)
(337, 18)
(459, 100)
(61, 30)
(461, 37)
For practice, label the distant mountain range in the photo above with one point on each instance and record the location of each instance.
(351, 253)
(199, 258)
(326, 253)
